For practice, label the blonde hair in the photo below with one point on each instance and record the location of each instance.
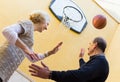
(38, 16)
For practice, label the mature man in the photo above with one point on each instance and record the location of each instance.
(95, 70)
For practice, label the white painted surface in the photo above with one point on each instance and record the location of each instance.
(18, 76)
(112, 7)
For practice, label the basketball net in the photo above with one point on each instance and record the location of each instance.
(71, 17)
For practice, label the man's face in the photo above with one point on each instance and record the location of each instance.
(91, 48)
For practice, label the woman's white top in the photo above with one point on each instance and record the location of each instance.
(10, 55)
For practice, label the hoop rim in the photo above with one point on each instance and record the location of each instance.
(75, 9)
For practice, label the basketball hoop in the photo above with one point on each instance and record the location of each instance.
(71, 16)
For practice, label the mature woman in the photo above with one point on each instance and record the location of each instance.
(19, 43)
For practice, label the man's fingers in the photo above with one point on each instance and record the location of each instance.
(82, 52)
(43, 64)
(32, 71)
(36, 75)
(34, 67)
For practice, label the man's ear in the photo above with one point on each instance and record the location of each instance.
(95, 45)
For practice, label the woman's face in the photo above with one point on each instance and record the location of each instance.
(42, 26)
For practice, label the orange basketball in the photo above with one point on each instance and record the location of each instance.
(99, 21)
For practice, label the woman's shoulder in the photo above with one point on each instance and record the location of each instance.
(27, 22)
(27, 25)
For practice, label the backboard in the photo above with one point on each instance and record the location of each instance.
(69, 13)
